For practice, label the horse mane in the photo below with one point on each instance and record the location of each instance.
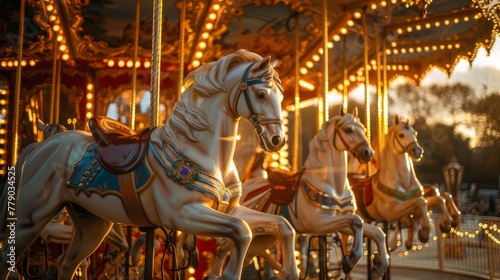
(204, 82)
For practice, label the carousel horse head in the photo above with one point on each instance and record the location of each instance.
(51, 129)
(347, 133)
(253, 89)
(404, 139)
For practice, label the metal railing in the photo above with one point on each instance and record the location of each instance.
(473, 248)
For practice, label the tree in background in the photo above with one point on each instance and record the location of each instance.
(453, 120)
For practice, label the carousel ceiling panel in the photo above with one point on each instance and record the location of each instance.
(414, 34)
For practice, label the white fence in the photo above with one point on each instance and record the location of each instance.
(471, 249)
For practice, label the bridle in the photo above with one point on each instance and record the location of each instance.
(348, 148)
(257, 124)
(405, 149)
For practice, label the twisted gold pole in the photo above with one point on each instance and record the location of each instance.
(53, 87)
(17, 92)
(380, 96)
(297, 127)
(182, 38)
(58, 92)
(325, 61)
(134, 69)
(156, 62)
(345, 93)
(367, 83)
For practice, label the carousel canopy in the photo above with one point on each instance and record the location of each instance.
(99, 36)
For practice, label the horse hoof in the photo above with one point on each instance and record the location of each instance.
(375, 275)
(408, 244)
(422, 238)
(211, 278)
(346, 266)
(275, 278)
(454, 223)
(444, 229)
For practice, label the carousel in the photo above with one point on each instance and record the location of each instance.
(123, 154)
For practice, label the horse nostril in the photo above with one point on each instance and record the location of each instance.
(276, 140)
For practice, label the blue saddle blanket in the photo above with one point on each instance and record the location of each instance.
(89, 176)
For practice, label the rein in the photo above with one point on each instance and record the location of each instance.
(257, 124)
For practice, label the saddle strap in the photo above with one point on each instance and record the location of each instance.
(131, 201)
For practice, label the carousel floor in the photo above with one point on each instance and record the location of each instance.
(397, 273)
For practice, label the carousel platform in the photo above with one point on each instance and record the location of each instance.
(400, 273)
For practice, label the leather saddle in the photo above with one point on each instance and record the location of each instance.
(119, 149)
(362, 187)
(285, 185)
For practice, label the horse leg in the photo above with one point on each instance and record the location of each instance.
(223, 246)
(267, 229)
(398, 211)
(410, 231)
(36, 212)
(381, 259)
(438, 201)
(89, 231)
(197, 218)
(116, 238)
(349, 224)
(452, 208)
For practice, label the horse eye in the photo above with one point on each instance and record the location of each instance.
(401, 135)
(260, 95)
(349, 130)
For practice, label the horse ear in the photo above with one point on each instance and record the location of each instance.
(41, 125)
(355, 111)
(274, 63)
(264, 63)
(396, 119)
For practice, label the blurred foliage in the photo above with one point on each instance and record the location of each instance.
(447, 117)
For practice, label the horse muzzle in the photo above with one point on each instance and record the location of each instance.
(415, 151)
(363, 153)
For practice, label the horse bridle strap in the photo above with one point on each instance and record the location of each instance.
(405, 149)
(348, 148)
(244, 88)
(188, 174)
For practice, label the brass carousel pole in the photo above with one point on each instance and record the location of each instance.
(325, 60)
(57, 102)
(182, 38)
(156, 62)
(323, 266)
(134, 68)
(17, 93)
(345, 93)
(153, 118)
(380, 95)
(367, 83)
(53, 87)
(385, 103)
(297, 127)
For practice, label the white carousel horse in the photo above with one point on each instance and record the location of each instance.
(181, 178)
(393, 192)
(436, 199)
(59, 230)
(320, 200)
(432, 193)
